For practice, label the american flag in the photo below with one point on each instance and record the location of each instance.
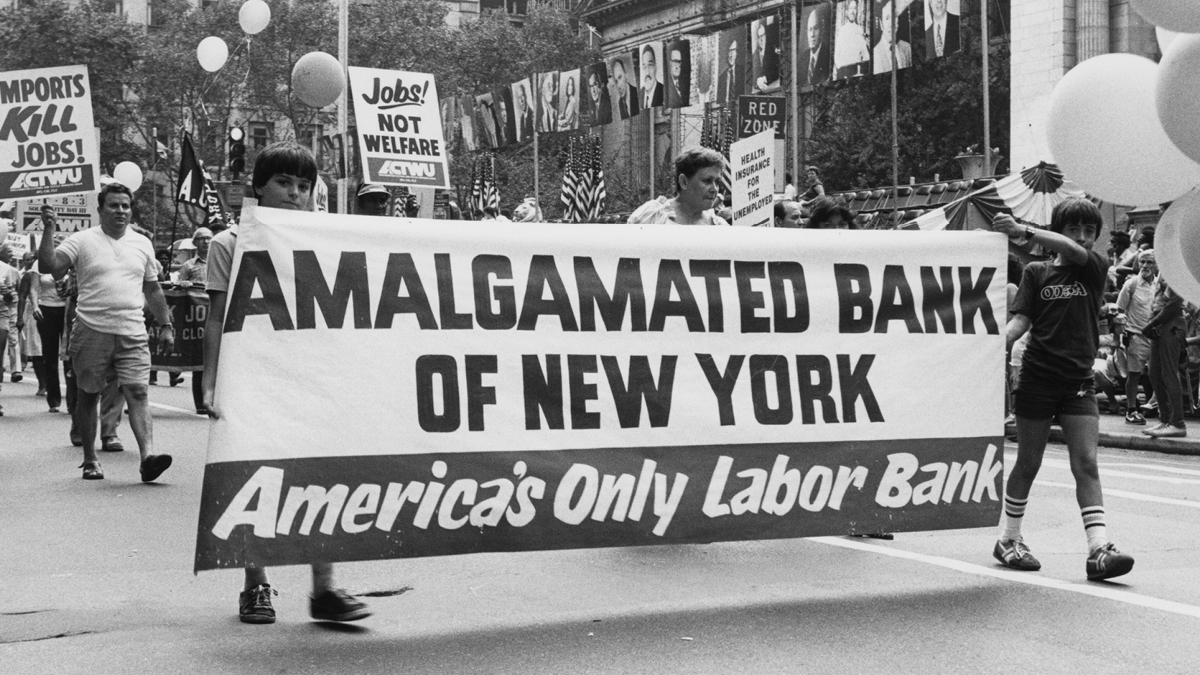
(483, 185)
(570, 184)
(717, 134)
(596, 191)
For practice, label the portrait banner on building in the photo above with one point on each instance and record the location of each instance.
(568, 100)
(534, 387)
(816, 44)
(547, 108)
(651, 93)
(731, 66)
(943, 28)
(679, 73)
(399, 128)
(764, 54)
(48, 140)
(851, 55)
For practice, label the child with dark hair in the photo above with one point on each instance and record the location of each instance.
(1058, 303)
(830, 213)
(284, 175)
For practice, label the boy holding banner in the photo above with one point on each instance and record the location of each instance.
(283, 178)
(1058, 303)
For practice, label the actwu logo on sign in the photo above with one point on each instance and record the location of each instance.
(404, 168)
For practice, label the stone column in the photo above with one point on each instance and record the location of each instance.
(1091, 29)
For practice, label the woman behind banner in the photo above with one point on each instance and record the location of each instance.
(697, 181)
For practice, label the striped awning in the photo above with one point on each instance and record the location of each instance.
(1029, 196)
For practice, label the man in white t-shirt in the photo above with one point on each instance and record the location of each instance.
(117, 277)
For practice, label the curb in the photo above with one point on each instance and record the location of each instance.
(1128, 442)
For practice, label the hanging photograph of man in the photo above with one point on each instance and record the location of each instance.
(547, 109)
(941, 28)
(764, 54)
(881, 53)
(731, 71)
(597, 104)
(851, 58)
(568, 100)
(487, 120)
(623, 92)
(679, 74)
(523, 109)
(466, 123)
(650, 74)
(506, 119)
(816, 54)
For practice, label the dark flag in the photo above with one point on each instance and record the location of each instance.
(192, 186)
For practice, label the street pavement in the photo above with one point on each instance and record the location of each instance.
(96, 577)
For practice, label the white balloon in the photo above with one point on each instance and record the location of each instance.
(1177, 246)
(1165, 38)
(254, 16)
(318, 79)
(212, 52)
(1177, 94)
(1182, 16)
(128, 174)
(1104, 133)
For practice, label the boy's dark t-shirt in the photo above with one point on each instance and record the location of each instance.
(1063, 305)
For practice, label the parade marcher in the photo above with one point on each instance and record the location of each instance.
(830, 213)
(1136, 301)
(1058, 303)
(697, 175)
(789, 187)
(192, 274)
(283, 178)
(9, 280)
(1166, 329)
(373, 199)
(49, 313)
(10, 349)
(31, 342)
(116, 276)
(788, 214)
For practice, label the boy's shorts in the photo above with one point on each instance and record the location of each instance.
(98, 357)
(1041, 400)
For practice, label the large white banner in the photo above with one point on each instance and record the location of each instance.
(399, 128)
(47, 137)
(534, 387)
(752, 164)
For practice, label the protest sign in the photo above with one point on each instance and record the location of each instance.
(74, 213)
(47, 136)
(189, 311)
(752, 165)
(532, 387)
(399, 128)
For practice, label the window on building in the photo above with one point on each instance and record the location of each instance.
(113, 6)
(260, 134)
(307, 134)
(205, 4)
(155, 15)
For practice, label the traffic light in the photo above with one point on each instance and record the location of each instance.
(237, 150)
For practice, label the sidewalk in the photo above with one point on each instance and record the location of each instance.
(1114, 433)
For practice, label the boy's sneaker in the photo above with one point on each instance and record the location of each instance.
(1150, 431)
(1015, 554)
(1107, 562)
(1169, 431)
(1134, 417)
(254, 605)
(336, 605)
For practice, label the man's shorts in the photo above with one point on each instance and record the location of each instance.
(97, 357)
(1137, 354)
(1041, 400)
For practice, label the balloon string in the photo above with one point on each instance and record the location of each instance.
(245, 43)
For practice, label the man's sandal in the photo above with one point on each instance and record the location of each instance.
(91, 471)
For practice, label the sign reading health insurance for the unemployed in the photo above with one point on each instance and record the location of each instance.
(399, 128)
(533, 387)
(752, 163)
(47, 138)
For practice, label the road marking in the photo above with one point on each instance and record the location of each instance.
(1128, 495)
(1092, 589)
(1066, 465)
(1153, 467)
(171, 408)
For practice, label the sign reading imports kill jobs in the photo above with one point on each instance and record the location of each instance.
(535, 387)
(47, 137)
(752, 163)
(399, 128)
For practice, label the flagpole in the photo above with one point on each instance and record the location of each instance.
(651, 116)
(343, 113)
(895, 126)
(796, 172)
(987, 123)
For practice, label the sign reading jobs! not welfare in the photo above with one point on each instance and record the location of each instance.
(399, 128)
(534, 387)
(47, 137)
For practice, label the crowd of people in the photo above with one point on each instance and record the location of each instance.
(93, 305)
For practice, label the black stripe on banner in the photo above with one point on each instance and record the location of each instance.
(333, 509)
